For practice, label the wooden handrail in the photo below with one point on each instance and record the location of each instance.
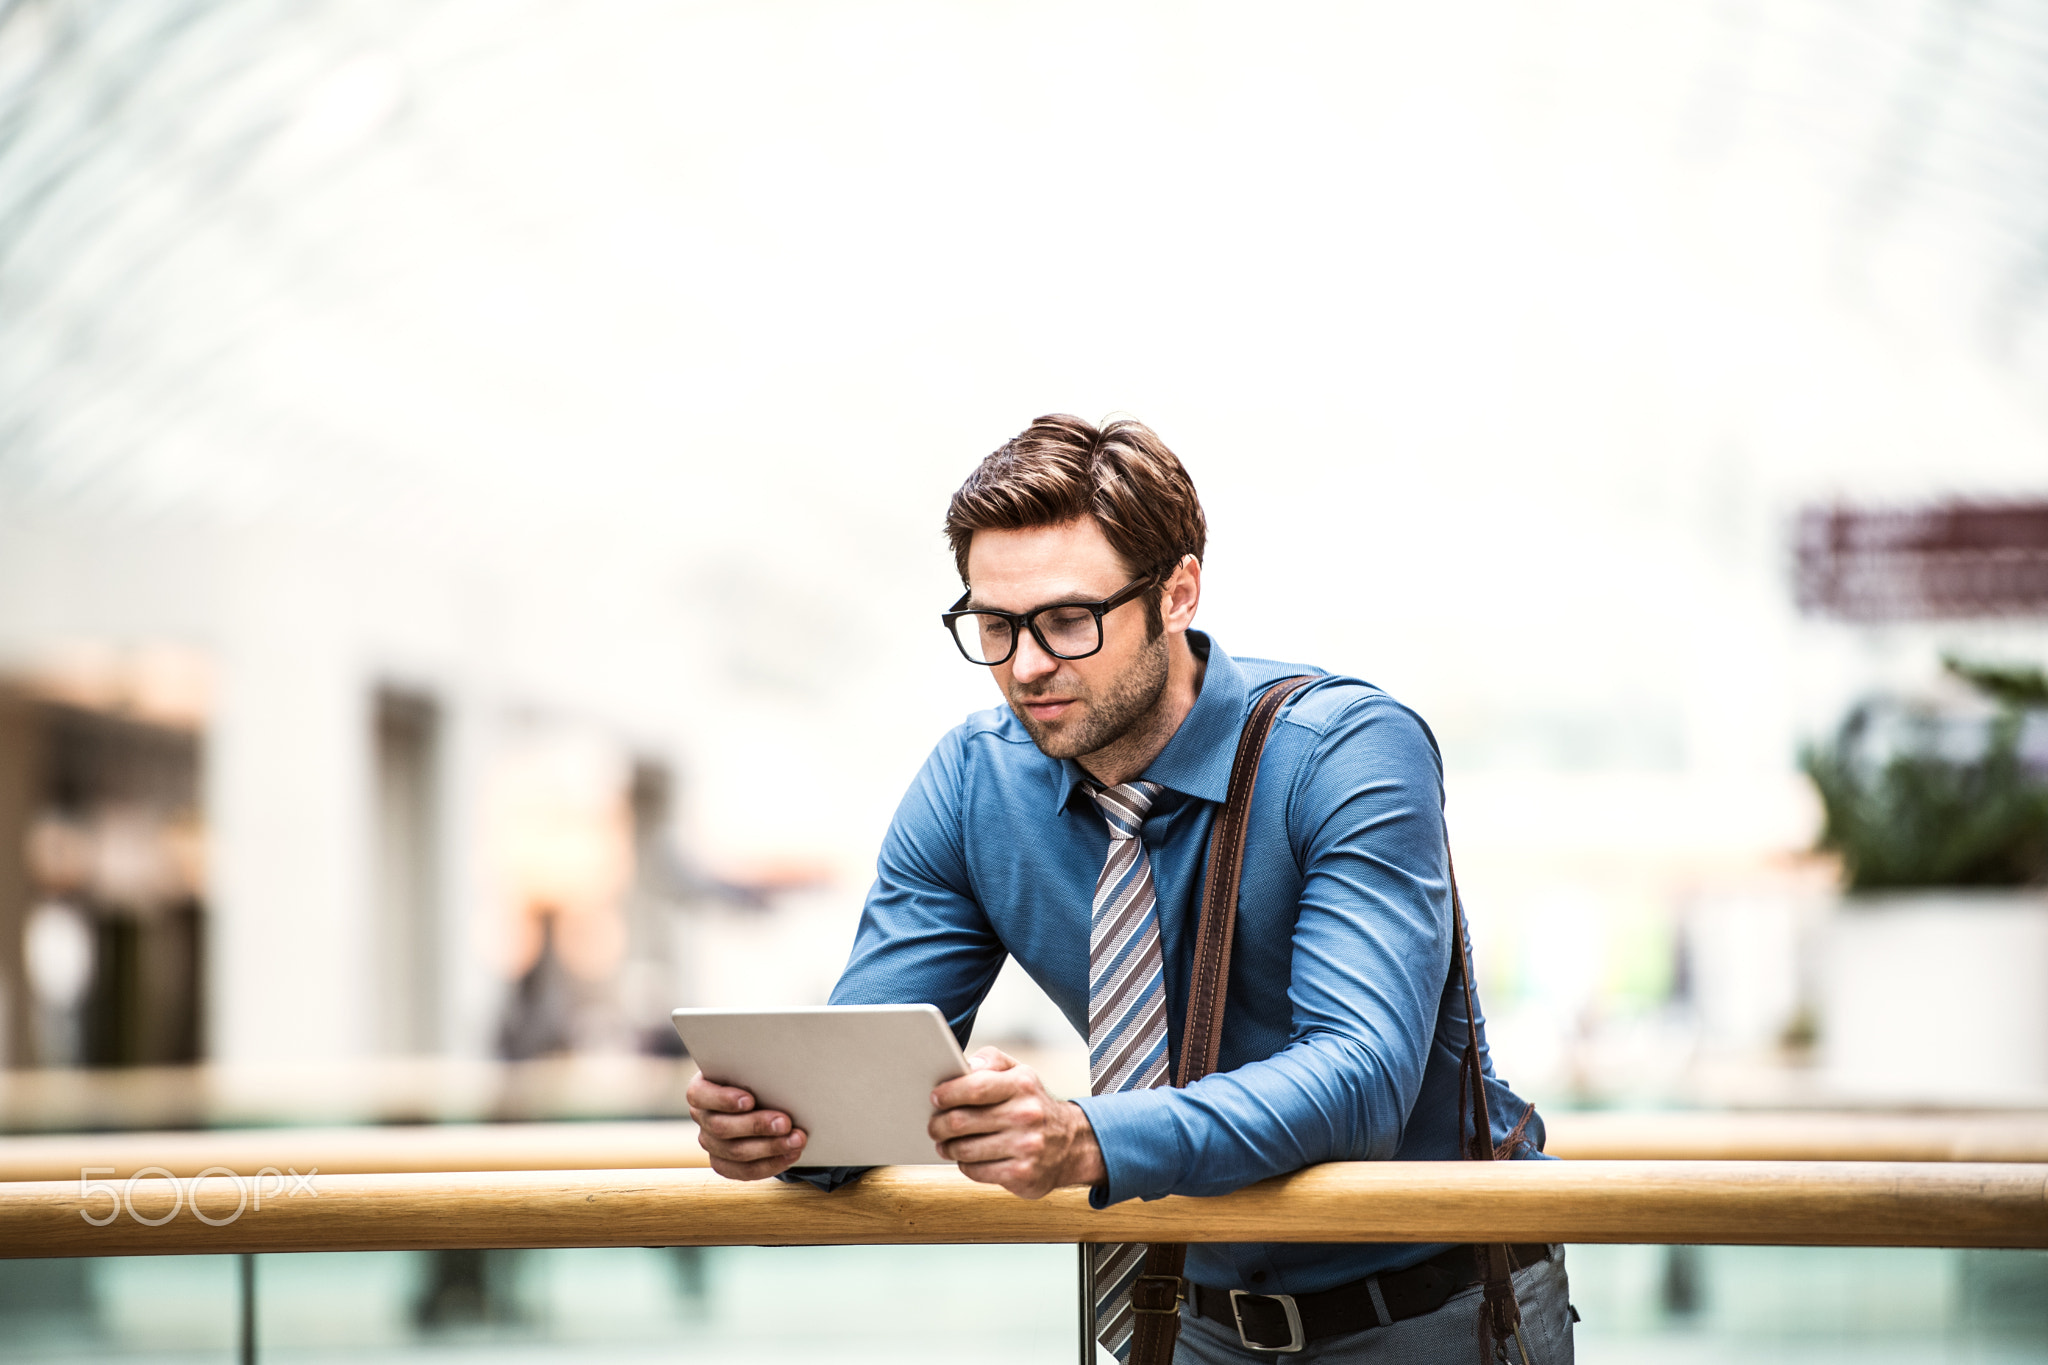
(1697, 1135)
(1763, 1203)
(1661, 1136)
(361, 1151)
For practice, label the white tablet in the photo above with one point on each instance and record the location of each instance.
(856, 1078)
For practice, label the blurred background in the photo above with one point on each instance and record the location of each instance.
(471, 480)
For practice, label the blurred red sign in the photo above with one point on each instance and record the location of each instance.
(1946, 561)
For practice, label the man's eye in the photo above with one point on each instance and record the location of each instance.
(1068, 618)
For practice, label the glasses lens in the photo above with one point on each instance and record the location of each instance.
(1070, 631)
(984, 639)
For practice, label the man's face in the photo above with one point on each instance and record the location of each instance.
(1072, 707)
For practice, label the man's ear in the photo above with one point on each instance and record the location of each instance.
(1182, 594)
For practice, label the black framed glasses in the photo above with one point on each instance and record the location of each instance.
(1065, 630)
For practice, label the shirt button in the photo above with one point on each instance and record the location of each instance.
(1258, 1277)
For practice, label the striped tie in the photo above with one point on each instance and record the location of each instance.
(1126, 1018)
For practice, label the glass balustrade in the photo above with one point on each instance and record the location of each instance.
(999, 1304)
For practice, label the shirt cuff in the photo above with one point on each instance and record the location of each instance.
(1140, 1145)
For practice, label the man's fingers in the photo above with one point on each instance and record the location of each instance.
(763, 1123)
(983, 1087)
(748, 1137)
(987, 1172)
(948, 1124)
(784, 1149)
(1009, 1145)
(752, 1170)
(1015, 1176)
(990, 1059)
(710, 1095)
(1019, 1122)
(1011, 1111)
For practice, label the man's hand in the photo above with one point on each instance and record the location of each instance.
(745, 1143)
(1001, 1125)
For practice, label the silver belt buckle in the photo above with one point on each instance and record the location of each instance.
(1295, 1340)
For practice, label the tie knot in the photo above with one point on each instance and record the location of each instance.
(1125, 806)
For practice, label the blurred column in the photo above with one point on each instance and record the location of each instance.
(652, 982)
(20, 792)
(290, 964)
(470, 988)
(406, 733)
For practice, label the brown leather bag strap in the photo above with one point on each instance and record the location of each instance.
(1159, 1289)
(1201, 1040)
(1471, 1074)
(1500, 1316)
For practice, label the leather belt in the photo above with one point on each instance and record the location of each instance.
(1287, 1322)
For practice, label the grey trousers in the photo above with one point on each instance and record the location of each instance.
(1449, 1336)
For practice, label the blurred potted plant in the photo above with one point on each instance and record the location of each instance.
(1935, 976)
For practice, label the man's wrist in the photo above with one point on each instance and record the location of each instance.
(1084, 1154)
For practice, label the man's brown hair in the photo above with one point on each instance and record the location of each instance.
(1061, 468)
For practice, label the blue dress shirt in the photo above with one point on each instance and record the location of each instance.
(1341, 1035)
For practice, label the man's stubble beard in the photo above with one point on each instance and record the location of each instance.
(1132, 700)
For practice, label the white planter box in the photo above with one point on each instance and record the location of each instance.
(1937, 997)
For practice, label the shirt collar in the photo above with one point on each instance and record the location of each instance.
(1196, 761)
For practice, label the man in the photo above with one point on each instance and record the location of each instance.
(1069, 830)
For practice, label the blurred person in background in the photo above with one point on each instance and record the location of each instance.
(1069, 829)
(539, 1016)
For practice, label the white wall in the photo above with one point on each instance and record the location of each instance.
(617, 360)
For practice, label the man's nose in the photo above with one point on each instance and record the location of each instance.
(1032, 662)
